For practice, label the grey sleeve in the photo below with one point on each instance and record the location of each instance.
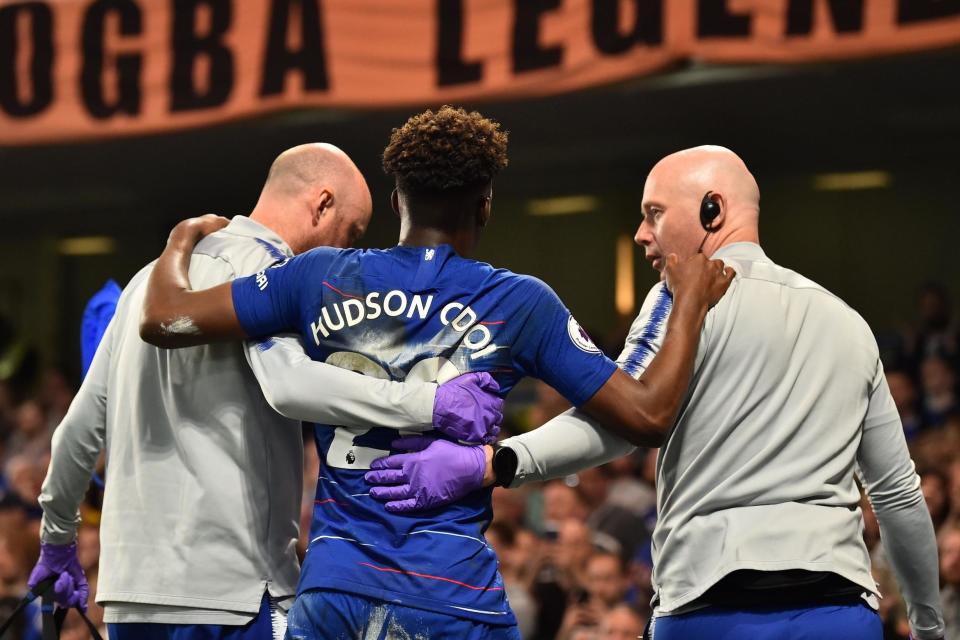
(574, 441)
(77, 442)
(571, 442)
(905, 527)
(302, 389)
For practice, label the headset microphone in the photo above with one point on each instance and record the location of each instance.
(709, 210)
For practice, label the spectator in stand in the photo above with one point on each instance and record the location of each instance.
(904, 393)
(939, 390)
(581, 620)
(510, 507)
(566, 547)
(18, 548)
(610, 517)
(575, 545)
(935, 487)
(560, 503)
(31, 434)
(23, 477)
(623, 622)
(54, 396)
(604, 587)
(606, 581)
(503, 539)
(936, 333)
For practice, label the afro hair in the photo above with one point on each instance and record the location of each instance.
(445, 150)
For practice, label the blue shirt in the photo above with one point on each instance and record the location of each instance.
(96, 316)
(413, 313)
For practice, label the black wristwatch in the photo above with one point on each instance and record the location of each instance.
(505, 463)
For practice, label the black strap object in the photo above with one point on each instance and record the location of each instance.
(53, 617)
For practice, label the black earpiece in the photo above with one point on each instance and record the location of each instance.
(709, 210)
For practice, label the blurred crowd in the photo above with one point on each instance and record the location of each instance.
(574, 553)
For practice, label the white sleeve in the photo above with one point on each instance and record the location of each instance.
(77, 442)
(905, 527)
(303, 389)
(569, 443)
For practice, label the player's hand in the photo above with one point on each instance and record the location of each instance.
(192, 230)
(438, 473)
(697, 280)
(468, 408)
(60, 561)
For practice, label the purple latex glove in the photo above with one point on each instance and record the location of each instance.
(60, 561)
(467, 408)
(437, 473)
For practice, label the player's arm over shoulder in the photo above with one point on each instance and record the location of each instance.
(644, 410)
(174, 315)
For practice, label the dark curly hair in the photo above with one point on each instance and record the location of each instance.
(446, 150)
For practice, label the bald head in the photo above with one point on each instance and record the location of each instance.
(711, 168)
(306, 165)
(315, 195)
(672, 197)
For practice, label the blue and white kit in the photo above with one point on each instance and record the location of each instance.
(413, 313)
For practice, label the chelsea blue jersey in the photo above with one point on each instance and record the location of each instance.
(415, 314)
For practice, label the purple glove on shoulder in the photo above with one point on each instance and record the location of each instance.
(467, 408)
(60, 561)
(437, 473)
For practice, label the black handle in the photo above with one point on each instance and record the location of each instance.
(52, 617)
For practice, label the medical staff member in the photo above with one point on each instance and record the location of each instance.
(204, 478)
(759, 529)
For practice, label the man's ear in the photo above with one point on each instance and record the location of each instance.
(721, 202)
(395, 201)
(322, 204)
(483, 211)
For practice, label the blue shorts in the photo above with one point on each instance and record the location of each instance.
(833, 622)
(260, 628)
(319, 614)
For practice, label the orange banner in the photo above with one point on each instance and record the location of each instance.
(74, 69)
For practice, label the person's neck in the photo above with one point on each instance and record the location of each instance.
(277, 223)
(723, 237)
(463, 242)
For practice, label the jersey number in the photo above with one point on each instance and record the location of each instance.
(343, 453)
